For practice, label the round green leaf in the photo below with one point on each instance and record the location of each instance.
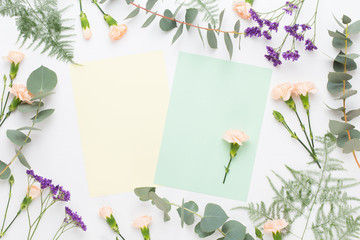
(17, 137)
(186, 216)
(344, 137)
(351, 145)
(41, 80)
(337, 127)
(234, 230)
(160, 203)
(339, 63)
(339, 76)
(347, 94)
(354, 27)
(337, 87)
(25, 108)
(143, 193)
(248, 237)
(7, 172)
(350, 115)
(42, 115)
(340, 43)
(167, 24)
(201, 233)
(214, 217)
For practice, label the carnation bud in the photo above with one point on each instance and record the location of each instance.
(11, 180)
(278, 116)
(14, 104)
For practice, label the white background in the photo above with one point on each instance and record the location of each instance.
(56, 152)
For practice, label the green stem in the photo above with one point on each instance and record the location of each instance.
(227, 169)
(17, 214)
(81, 10)
(195, 213)
(304, 130)
(311, 132)
(6, 116)
(7, 208)
(318, 189)
(118, 232)
(2, 98)
(96, 3)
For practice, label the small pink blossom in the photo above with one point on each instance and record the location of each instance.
(303, 88)
(282, 91)
(235, 136)
(87, 34)
(33, 192)
(15, 57)
(117, 31)
(242, 9)
(142, 222)
(105, 212)
(275, 226)
(21, 92)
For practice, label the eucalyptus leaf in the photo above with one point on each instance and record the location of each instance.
(129, 1)
(178, 33)
(150, 4)
(25, 108)
(201, 37)
(133, 14)
(337, 87)
(149, 21)
(248, 237)
(17, 137)
(188, 217)
(211, 37)
(178, 9)
(234, 230)
(340, 109)
(229, 44)
(351, 56)
(337, 35)
(166, 217)
(352, 114)
(42, 80)
(338, 22)
(347, 94)
(339, 77)
(346, 20)
(339, 43)
(6, 174)
(351, 145)
(221, 18)
(29, 128)
(160, 203)
(167, 24)
(201, 233)
(344, 137)
(237, 28)
(339, 63)
(143, 193)
(42, 115)
(337, 127)
(214, 217)
(354, 27)
(22, 159)
(190, 16)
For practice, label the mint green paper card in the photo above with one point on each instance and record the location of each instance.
(210, 96)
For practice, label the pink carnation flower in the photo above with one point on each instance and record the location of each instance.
(242, 9)
(142, 222)
(21, 92)
(303, 88)
(275, 226)
(105, 212)
(282, 91)
(235, 136)
(33, 192)
(15, 57)
(117, 31)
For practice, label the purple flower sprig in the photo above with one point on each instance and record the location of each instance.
(71, 220)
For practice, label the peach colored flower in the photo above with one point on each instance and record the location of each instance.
(15, 57)
(21, 92)
(282, 91)
(235, 136)
(33, 192)
(142, 222)
(87, 34)
(117, 31)
(303, 88)
(242, 9)
(105, 212)
(275, 226)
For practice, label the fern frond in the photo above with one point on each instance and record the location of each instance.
(209, 8)
(41, 25)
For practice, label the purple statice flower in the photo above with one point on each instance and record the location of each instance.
(292, 30)
(310, 46)
(73, 217)
(271, 25)
(256, 18)
(253, 32)
(44, 182)
(291, 55)
(288, 11)
(290, 7)
(305, 27)
(62, 195)
(266, 35)
(273, 56)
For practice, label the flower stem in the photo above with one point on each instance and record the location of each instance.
(17, 214)
(227, 169)
(304, 130)
(80, 3)
(311, 132)
(120, 235)
(7, 208)
(96, 3)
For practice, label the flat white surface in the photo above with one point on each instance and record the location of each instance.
(56, 152)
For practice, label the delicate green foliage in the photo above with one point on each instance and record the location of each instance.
(338, 83)
(221, 18)
(40, 23)
(7, 172)
(211, 37)
(42, 80)
(17, 137)
(178, 33)
(149, 21)
(167, 24)
(133, 14)
(209, 8)
(22, 159)
(318, 196)
(150, 4)
(214, 216)
(190, 16)
(228, 43)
